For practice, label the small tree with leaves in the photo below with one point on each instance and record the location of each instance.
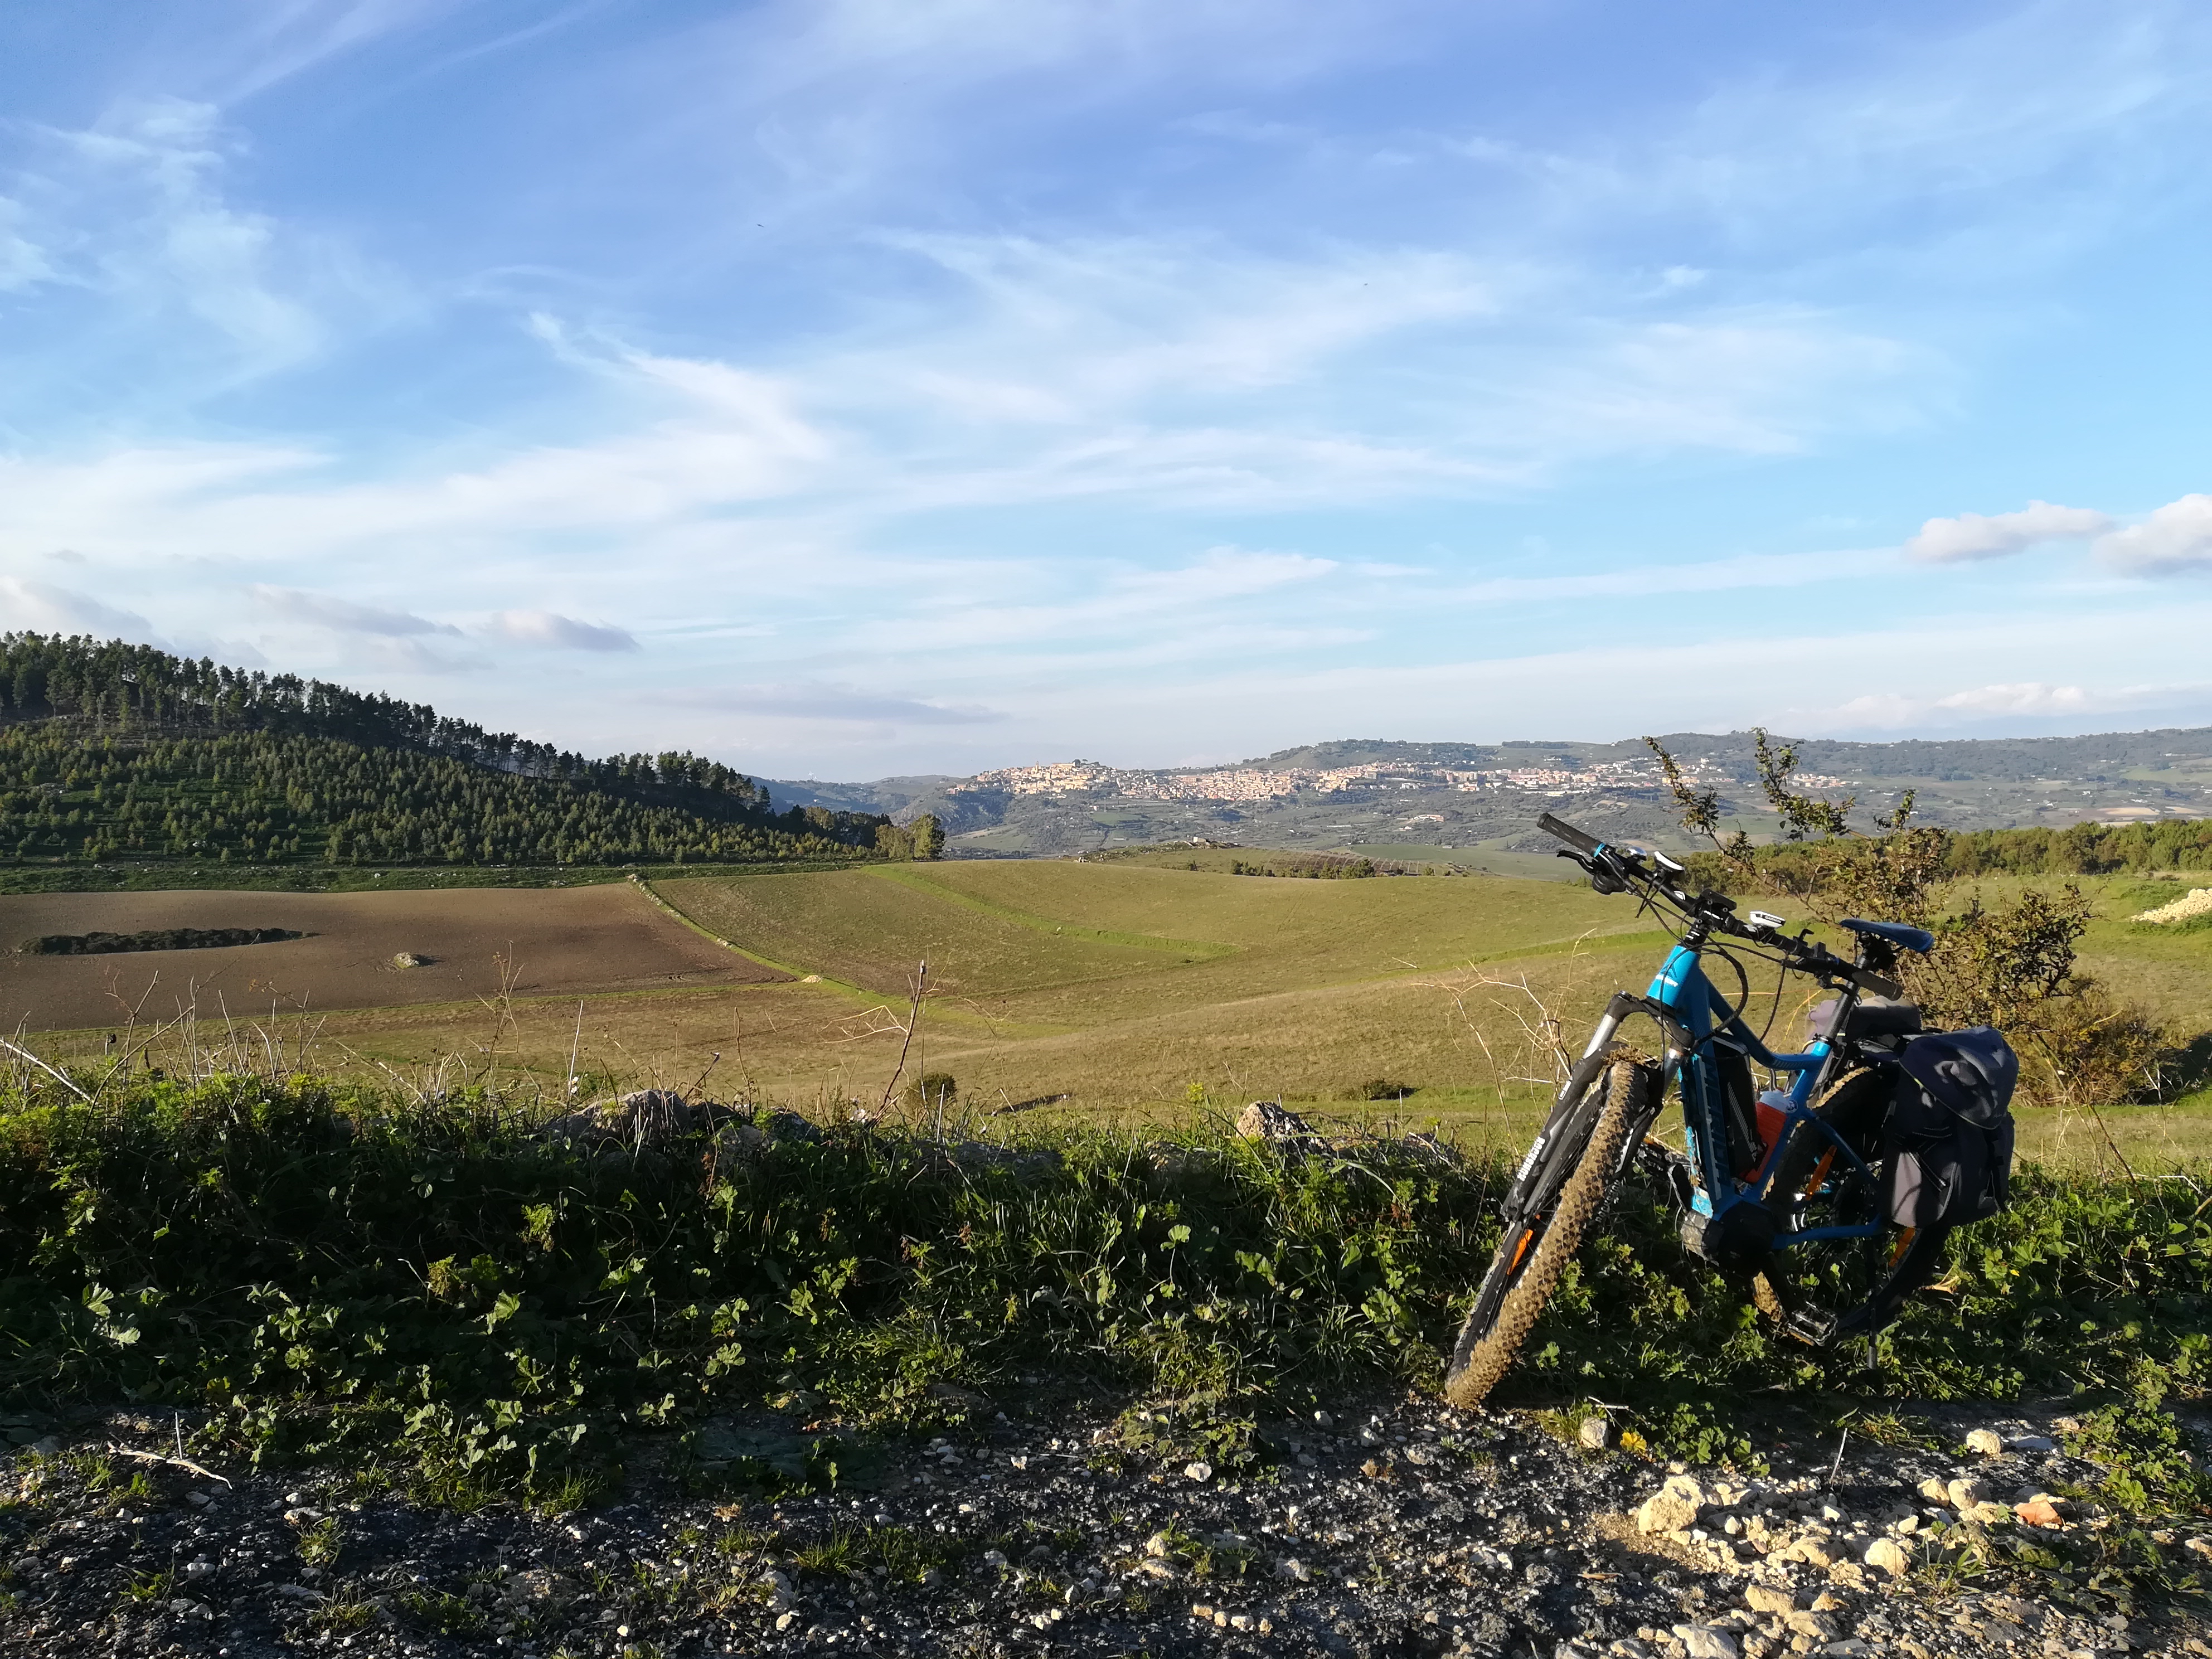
(2012, 966)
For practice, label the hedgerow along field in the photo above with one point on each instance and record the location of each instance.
(449, 1303)
(1095, 993)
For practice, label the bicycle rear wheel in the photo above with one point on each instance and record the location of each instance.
(1831, 1288)
(1534, 1251)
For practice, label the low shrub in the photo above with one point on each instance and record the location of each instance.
(331, 1273)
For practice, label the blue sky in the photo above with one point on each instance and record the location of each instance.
(868, 386)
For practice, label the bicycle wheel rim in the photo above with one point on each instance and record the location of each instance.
(1856, 1283)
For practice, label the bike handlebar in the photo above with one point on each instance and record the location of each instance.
(1713, 911)
(1815, 959)
(1567, 833)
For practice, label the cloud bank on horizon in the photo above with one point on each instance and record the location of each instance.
(845, 387)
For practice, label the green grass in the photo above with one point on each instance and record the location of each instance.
(1058, 941)
(1119, 986)
(433, 1295)
(874, 935)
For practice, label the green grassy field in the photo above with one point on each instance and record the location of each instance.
(1122, 992)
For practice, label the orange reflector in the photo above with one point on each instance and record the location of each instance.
(1527, 1237)
(1819, 1173)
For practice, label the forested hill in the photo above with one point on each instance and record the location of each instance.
(110, 751)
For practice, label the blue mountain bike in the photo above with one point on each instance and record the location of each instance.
(1783, 1194)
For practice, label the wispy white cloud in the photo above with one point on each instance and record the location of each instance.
(557, 632)
(1750, 570)
(2025, 706)
(2022, 128)
(2175, 539)
(23, 263)
(1132, 317)
(182, 239)
(1971, 536)
(344, 615)
(2031, 698)
(230, 55)
(818, 700)
(1109, 613)
(145, 290)
(41, 607)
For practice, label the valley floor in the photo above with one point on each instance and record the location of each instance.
(1123, 992)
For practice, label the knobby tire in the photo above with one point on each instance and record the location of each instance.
(1876, 1274)
(1481, 1358)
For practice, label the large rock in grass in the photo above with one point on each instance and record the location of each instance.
(1270, 1120)
(748, 1134)
(647, 1118)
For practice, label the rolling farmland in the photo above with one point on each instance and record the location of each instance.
(1096, 990)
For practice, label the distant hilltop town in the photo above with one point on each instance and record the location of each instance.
(1374, 793)
(1083, 777)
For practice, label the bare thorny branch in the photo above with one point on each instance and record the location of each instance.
(920, 988)
(1543, 1034)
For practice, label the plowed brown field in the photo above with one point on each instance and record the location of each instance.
(553, 940)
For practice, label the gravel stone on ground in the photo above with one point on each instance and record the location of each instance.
(1392, 1526)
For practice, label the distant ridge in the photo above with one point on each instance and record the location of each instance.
(1434, 798)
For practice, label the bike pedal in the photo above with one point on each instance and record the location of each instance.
(1811, 1327)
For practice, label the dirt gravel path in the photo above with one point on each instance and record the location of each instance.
(1392, 1526)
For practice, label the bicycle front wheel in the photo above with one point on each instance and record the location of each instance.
(1533, 1251)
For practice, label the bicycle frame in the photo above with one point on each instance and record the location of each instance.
(1686, 1001)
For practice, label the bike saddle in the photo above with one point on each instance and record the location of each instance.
(1896, 932)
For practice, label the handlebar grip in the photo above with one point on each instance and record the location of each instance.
(1876, 984)
(1821, 961)
(1567, 833)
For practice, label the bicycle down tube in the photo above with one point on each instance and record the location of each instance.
(1681, 989)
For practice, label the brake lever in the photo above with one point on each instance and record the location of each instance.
(1603, 876)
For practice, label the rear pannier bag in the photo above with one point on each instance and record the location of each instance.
(1949, 1138)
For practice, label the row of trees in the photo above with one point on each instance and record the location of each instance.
(2084, 849)
(1319, 868)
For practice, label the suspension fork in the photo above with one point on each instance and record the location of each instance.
(1557, 1141)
